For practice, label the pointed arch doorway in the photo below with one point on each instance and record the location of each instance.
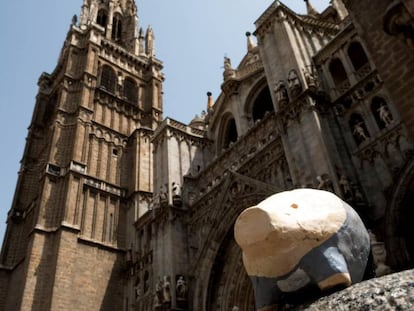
(229, 284)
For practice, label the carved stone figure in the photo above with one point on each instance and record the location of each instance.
(325, 183)
(181, 289)
(176, 189)
(359, 132)
(294, 83)
(385, 115)
(228, 71)
(158, 297)
(176, 192)
(166, 291)
(163, 194)
(281, 93)
(310, 79)
(345, 186)
(301, 242)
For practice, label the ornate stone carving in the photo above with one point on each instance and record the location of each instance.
(181, 291)
(295, 86)
(281, 93)
(229, 72)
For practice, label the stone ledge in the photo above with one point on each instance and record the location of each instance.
(390, 292)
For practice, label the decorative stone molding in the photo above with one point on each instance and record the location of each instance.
(104, 186)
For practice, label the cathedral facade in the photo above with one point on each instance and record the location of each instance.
(119, 208)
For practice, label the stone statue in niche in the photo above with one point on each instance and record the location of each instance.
(166, 291)
(158, 297)
(181, 288)
(310, 79)
(295, 86)
(181, 292)
(385, 114)
(281, 93)
(359, 132)
(299, 244)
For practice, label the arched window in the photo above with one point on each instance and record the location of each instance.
(337, 71)
(262, 104)
(382, 114)
(108, 79)
(102, 18)
(116, 27)
(231, 133)
(358, 128)
(357, 55)
(130, 90)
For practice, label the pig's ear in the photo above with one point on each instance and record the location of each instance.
(252, 226)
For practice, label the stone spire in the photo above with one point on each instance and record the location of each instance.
(311, 10)
(250, 43)
(149, 42)
(118, 19)
(141, 42)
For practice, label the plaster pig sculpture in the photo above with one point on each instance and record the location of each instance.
(301, 243)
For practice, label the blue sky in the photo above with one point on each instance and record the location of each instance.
(192, 38)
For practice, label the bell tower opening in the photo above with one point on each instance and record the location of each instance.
(117, 27)
(102, 18)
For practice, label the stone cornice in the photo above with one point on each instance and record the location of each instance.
(178, 127)
(277, 11)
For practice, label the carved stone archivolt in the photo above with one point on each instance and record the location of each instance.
(213, 222)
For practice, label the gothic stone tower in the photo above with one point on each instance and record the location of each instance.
(85, 174)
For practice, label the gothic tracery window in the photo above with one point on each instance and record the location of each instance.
(130, 90)
(108, 79)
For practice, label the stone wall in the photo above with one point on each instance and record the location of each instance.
(388, 53)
